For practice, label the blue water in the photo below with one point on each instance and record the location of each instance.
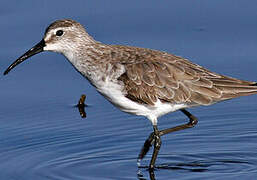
(42, 135)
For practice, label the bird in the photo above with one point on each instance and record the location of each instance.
(139, 81)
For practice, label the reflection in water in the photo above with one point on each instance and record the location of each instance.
(81, 106)
(192, 167)
(205, 165)
(140, 175)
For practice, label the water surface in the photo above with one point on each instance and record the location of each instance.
(42, 135)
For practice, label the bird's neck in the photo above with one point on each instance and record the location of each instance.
(94, 62)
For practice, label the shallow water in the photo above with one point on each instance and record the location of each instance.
(42, 135)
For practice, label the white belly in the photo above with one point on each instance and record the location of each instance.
(113, 92)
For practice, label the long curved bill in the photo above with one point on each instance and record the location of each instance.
(35, 50)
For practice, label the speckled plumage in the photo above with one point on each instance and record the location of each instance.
(141, 75)
(140, 81)
(146, 76)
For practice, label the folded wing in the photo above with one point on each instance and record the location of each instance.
(173, 79)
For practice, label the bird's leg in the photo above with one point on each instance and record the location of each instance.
(192, 122)
(157, 146)
(81, 106)
(155, 139)
(148, 143)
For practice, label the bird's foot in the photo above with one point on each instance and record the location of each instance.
(153, 139)
(81, 106)
(148, 143)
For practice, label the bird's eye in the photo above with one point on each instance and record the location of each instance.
(59, 33)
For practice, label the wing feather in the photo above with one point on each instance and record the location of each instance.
(169, 78)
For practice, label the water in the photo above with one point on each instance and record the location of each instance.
(42, 135)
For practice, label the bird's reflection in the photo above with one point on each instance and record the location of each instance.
(81, 106)
(140, 175)
(191, 166)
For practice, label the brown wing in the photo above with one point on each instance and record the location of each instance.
(173, 79)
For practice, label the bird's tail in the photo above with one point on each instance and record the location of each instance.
(220, 88)
(232, 88)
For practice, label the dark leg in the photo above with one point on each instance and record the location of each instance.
(151, 174)
(81, 106)
(155, 138)
(192, 122)
(157, 146)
